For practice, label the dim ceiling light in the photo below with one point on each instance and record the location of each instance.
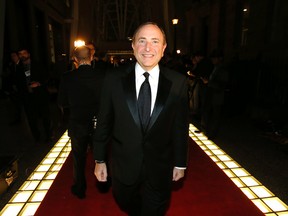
(79, 43)
(175, 21)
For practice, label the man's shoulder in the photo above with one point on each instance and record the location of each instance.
(68, 75)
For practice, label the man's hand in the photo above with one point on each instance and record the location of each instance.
(100, 172)
(178, 174)
(204, 80)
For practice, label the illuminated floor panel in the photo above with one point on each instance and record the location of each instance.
(264, 199)
(30, 195)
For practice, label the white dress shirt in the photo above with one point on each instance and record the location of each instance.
(153, 80)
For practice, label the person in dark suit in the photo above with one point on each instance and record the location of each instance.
(79, 92)
(145, 158)
(30, 81)
(9, 87)
(215, 93)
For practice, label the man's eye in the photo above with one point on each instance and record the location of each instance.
(155, 42)
(141, 41)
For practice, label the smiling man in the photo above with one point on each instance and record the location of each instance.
(149, 44)
(144, 116)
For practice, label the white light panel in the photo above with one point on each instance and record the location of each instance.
(30, 195)
(32, 192)
(265, 200)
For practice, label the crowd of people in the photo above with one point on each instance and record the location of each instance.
(208, 78)
(137, 115)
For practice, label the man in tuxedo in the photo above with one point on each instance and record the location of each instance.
(79, 92)
(146, 155)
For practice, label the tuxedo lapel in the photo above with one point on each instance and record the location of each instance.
(128, 82)
(164, 86)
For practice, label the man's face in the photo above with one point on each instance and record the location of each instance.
(14, 57)
(149, 46)
(199, 58)
(24, 55)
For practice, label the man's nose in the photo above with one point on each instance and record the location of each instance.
(148, 46)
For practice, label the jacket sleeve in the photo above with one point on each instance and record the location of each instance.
(102, 134)
(181, 127)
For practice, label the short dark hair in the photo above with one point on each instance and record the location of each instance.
(23, 48)
(217, 53)
(148, 23)
(91, 43)
(199, 53)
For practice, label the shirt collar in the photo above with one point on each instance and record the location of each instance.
(153, 74)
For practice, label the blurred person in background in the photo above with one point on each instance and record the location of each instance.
(214, 97)
(30, 80)
(79, 92)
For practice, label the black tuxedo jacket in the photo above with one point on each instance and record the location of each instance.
(165, 143)
(79, 91)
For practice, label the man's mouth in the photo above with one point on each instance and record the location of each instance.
(147, 55)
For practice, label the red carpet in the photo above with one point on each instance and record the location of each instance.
(206, 191)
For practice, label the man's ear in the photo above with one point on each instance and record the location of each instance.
(75, 59)
(164, 47)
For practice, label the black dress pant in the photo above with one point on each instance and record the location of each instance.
(141, 198)
(36, 107)
(80, 135)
